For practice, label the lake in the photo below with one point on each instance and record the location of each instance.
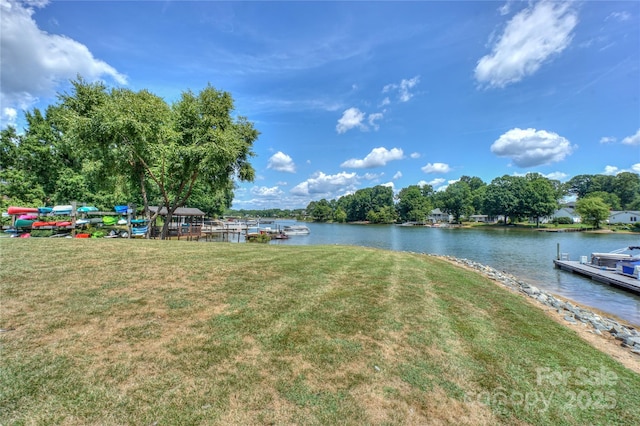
(524, 253)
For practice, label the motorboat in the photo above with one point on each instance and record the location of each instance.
(289, 230)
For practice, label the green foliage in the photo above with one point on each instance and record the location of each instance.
(262, 238)
(413, 204)
(593, 210)
(456, 200)
(562, 221)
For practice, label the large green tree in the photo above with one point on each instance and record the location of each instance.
(540, 197)
(592, 210)
(168, 152)
(413, 204)
(456, 200)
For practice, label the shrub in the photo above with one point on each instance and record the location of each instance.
(562, 220)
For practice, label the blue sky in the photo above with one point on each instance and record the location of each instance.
(349, 95)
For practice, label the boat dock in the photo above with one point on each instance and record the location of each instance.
(600, 274)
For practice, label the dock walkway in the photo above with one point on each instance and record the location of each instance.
(606, 276)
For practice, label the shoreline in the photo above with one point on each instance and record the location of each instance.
(605, 331)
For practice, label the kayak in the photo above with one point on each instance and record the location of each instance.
(83, 235)
(23, 223)
(62, 210)
(63, 223)
(28, 216)
(139, 220)
(121, 209)
(44, 210)
(40, 224)
(21, 210)
(87, 209)
(122, 222)
(109, 220)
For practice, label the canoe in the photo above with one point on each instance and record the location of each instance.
(28, 216)
(23, 223)
(21, 210)
(44, 210)
(83, 222)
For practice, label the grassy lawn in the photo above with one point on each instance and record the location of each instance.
(172, 332)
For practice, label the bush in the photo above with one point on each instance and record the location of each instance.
(562, 221)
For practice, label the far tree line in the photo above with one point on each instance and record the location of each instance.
(512, 197)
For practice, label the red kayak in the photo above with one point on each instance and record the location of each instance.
(41, 224)
(21, 210)
(83, 235)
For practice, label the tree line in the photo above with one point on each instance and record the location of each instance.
(117, 146)
(512, 197)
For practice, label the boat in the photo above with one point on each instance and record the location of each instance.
(64, 210)
(21, 210)
(611, 259)
(289, 230)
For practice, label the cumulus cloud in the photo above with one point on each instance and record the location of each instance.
(531, 147)
(398, 175)
(636, 168)
(414, 155)
(323, 185)
(373, 176)
(376, 158)
(403, 88)
(34, 62)
(530, 38)
(281, 162)
(556, 176)
(266, 192)
(633, 139)
(611, 170)
(351, 118)
(607, 139)
(436, 168)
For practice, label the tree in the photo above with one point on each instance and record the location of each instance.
(322, 211)
(168, 150)
(339, 215)
(506, 196)
(593, 210)
(539, 197)
(626, 186)
(456, 200)
(610, 199)
(413, 205)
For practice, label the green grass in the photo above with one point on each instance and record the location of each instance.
(174, 332)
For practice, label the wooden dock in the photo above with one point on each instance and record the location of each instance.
(596, 273)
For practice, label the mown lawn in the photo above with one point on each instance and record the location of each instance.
(173, 332)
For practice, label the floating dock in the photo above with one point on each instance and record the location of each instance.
(600, 274)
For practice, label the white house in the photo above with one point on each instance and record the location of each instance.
(629, 217)
(564, 212)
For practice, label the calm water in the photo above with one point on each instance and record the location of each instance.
(525, 254)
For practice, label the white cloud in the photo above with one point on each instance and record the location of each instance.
(266, 192)
(9, 116)
(321, 184)
(398, 175)
(373, 118)
(556, 176)
(633, 139)
(619, 16)
(386, 101)
(373, 176)
(415, 155)
(611, 170)
(403, 88)
(281, 162)
(376, 158)
(389, 184)
(35, 62)
(607, 139)
(436, 168)
(636, 168)
(505, 8)
(436, 182)
(351, 118)
(531, 147)
(530, 38)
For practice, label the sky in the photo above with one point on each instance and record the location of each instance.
(352, 94)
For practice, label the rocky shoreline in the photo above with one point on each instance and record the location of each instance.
(628, 336)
